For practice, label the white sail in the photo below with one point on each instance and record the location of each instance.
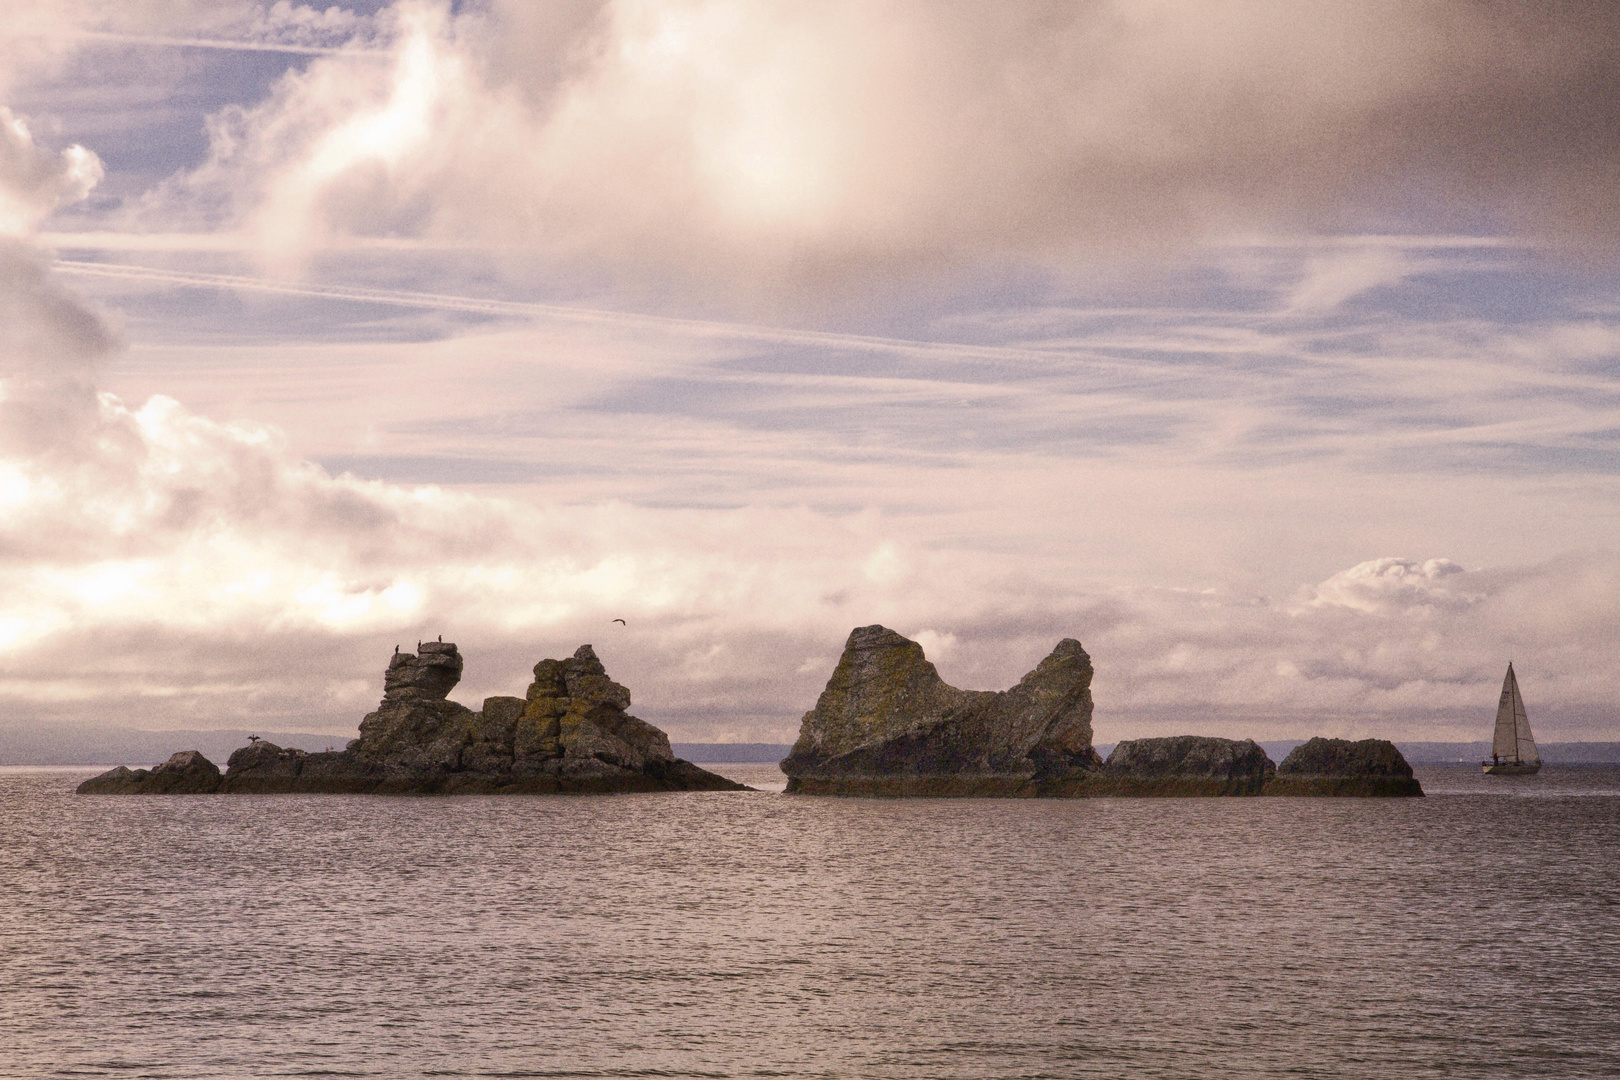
(1512, 740)
(1521, 727)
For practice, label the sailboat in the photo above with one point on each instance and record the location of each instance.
(1513, 748)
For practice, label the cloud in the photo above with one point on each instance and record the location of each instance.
(34, 182)
(744, 501)
(826, 145)
(1389, 645)
(163, 568)
(1395, 586)
(49, 341)
(166, 569)
(742, 498)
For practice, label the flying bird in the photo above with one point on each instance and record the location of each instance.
(621, 622)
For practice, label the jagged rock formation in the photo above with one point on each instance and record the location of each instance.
(184, 773)
(1184, 765)
(887, 724)
(1370, 767)
(570, 733)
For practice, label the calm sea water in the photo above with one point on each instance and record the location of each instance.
(1475, 933)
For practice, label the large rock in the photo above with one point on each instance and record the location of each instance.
(1370, 767)
(571, 732)
(887, 724)
(1184, 765)
(186, 773)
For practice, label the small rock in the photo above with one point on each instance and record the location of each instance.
(1339, 767)
(1185, 765)
(185, 773)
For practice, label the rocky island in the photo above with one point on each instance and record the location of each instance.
(571, 732)
(1370, 767)
(1184, 765)
(888, 725)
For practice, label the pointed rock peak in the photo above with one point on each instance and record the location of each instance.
(882, 682)
(878, 637)
(886, 712)
(1067, 657)
(581, 677)
(876, 652)
(588, 680)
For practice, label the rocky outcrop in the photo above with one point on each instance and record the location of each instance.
(571, 732)
(1370, 767)
(186, 773)
(887, 724)
(428, 675)
(1184, 765)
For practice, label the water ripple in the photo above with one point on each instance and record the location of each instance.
(721, 935)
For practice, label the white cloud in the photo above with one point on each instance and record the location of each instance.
(763, 145)
(1390, 645)
(936, 646)
(34, 182)
(178, 570)
(1396, 586)
(1337, 275)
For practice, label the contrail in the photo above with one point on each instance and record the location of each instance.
(942, 351)
(220, 43)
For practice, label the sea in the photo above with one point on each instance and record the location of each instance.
(1472, 933)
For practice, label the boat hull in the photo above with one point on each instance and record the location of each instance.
(1511, 768)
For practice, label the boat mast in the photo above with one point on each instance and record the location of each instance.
(1518, 711)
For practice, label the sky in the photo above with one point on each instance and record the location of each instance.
(1271, 349)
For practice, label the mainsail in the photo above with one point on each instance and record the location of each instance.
(1512, 740)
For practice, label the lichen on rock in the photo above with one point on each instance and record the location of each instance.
(887, 724)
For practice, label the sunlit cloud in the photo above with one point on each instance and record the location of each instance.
(814, 149)
(33, 182)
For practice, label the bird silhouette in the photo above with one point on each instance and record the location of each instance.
(621, 622)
